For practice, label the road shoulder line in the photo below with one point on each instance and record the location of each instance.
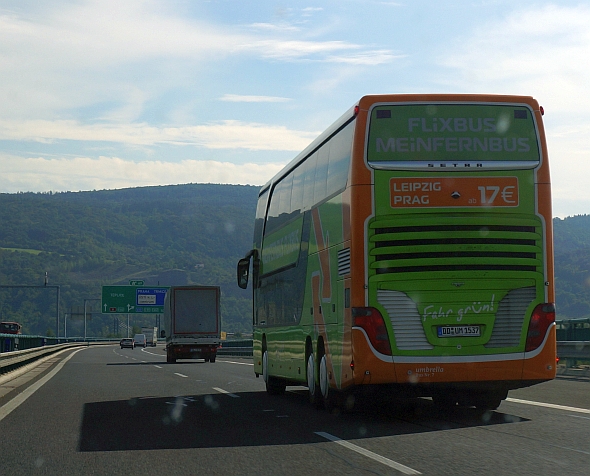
(14, 403)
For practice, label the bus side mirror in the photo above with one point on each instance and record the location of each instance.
(243, 272)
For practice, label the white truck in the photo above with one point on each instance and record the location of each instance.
(151, 335)
(192, 323)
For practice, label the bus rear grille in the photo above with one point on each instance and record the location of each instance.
(510, 318)
(454, 246)
(405, 320)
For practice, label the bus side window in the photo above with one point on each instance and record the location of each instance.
(339, 165)
(297, 193)
(321, 174)
(308, 187)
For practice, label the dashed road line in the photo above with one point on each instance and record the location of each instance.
(180, 375)
(237, 363)
(225, 392)
(369, 454)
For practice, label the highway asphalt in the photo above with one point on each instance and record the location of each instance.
(114, 411)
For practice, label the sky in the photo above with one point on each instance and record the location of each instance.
(110, 94)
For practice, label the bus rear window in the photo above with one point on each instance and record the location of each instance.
(436, 134)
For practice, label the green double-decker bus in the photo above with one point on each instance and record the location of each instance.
(408, 249)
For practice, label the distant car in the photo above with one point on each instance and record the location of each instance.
(140, 340)
(127, 343)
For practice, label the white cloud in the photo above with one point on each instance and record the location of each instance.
(275, 27)
(238, 98)
(41, 174)
(219, 135)
(540, 52)
(120, 56)
(369, 58)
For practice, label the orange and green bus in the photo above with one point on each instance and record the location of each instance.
(408, 250)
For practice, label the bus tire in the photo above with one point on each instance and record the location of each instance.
(486, 403)
(313, 390)
(274, 385)
(328, 396)
(444, 401)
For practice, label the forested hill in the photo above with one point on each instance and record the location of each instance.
(170, 235)
(572, 266)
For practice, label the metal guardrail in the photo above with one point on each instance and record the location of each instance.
(13, 342)
(573, 351)
(12, 360)
(238, 347)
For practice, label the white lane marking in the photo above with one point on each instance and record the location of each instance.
(549, 405)
(157, 366)
(26, 368)
(21, 397)
(225, 392)
(151, 353)
(232, 362)
(576, 416)
(368, 454)
(181, 375)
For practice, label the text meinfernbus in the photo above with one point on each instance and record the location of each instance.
(408, 251)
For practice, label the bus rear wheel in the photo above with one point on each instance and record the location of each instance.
(486, 403)
(274, 385)
(313, 390)
(329, 397)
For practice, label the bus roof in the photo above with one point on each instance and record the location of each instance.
(367, 101)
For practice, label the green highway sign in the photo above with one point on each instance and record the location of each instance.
(133, 299)
(136, 282)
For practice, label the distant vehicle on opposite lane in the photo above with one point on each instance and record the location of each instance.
(127, 343)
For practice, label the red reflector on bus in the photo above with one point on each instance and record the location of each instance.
(356, 110)
(543, 316)
(542, 110)
(371, 320)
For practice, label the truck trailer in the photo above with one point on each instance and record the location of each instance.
(192, 323)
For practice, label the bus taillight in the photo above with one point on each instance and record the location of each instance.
(543, 316)
(371, 320)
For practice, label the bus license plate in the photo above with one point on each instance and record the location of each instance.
(458, 331)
